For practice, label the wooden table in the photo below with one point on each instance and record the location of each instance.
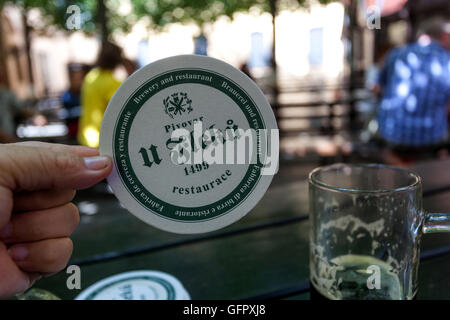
(264, 255)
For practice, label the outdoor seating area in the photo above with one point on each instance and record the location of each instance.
(350, 82)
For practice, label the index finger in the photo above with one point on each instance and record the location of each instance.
(81, 151)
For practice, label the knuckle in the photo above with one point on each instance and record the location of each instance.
(8, 164)
(67, 252)
(73, 217)
(65, 162)
(57, 258)
(71, 194)
(68, 244)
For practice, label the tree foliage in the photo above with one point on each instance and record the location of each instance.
(122, 15)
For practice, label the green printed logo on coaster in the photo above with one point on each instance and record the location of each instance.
(194, 143)
(136, 285)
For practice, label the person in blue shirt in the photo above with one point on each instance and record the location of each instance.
(415, 90)
(71, 97)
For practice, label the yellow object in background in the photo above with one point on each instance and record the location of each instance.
(99, 86)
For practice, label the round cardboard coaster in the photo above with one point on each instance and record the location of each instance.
(184, 135)
(136, 285)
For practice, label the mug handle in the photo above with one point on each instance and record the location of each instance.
(436, 222)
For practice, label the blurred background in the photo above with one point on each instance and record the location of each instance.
(348, 81)
(327, 68)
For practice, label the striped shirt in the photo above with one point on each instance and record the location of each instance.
(416, 90)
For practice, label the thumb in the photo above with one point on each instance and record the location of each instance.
(31, 168)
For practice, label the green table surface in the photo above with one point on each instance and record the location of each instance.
(264, 255)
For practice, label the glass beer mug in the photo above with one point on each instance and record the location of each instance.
(366, 226)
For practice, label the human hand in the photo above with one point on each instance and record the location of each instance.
(37, 183)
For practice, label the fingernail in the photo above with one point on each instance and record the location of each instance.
(96, 163)
(6, 232)
(18, 253)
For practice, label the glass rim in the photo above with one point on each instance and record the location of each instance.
(411, 186)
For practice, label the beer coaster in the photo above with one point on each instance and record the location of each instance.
(194, 144)
(136, 285)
